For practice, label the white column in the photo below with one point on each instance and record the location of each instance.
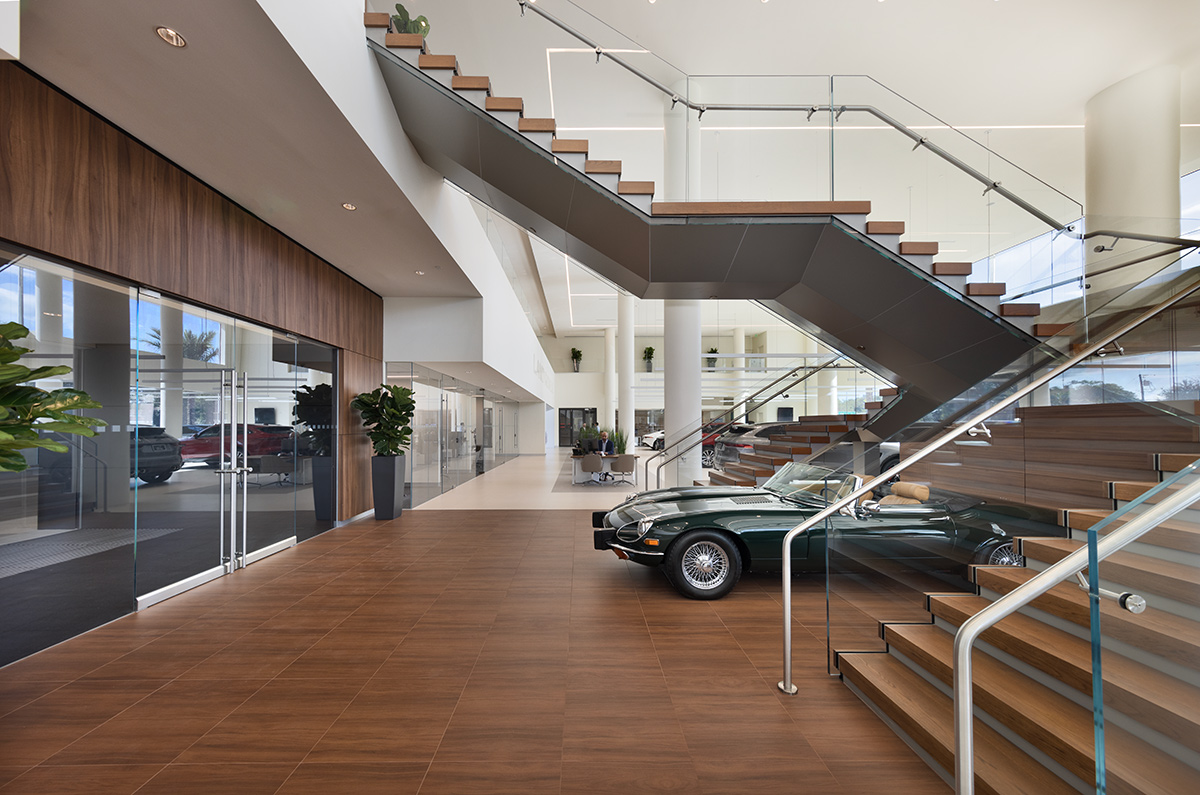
(608, 407)
(626, 409)
(735, 378)
(1131, 153)
(171, 334)
(681, 380)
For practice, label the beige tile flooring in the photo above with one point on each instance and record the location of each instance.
(449, 651)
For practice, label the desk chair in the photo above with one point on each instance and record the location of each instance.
(593, 464)
(623, 465)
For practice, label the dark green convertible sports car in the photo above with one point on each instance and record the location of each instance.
(706, 537)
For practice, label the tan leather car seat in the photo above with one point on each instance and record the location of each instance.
(906, 494)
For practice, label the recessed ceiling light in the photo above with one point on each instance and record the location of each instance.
(349, 206)
(170, 36)
(419, 273)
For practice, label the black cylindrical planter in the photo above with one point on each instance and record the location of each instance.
(322, 484)
(387, 485)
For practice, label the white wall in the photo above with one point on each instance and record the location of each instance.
(328, 37)
(10, 30)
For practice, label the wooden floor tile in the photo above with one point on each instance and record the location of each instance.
(448, 652)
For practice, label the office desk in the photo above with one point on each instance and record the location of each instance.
(579, 476)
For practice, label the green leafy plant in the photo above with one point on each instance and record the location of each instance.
(619, 440)
(314, 410)
(711, 361)
(648, 354)
(386, 414)
(402, 23)
(576, 355)
(25, 410)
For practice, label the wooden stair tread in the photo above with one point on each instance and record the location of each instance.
(952, 268)
(986, 288)
(1135, 572)
(404, 41)
(564, 146)
(1020, 310)
(885, 227)
(927, 716)
(1174, 533)
(763, 458)
(1173, 462)
(468, 83)
(1146, 694)
(428, 61)
(918, 247)
(792, 448)
(499, 104)
(1050, 329)
(602, 167)
(535, 125)
(1164, 634)
(373, 19)
(717, 476)
(749, 470)
(1051, 722)
(628, 188)
(761, 208)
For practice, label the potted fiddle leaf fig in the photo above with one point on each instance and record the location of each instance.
(402, 23)
(576, 357)
(314, 411)
(648, 358)
(386, 414)
(25, 410)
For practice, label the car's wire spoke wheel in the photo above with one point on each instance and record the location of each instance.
(1005, 555)
(705, 565)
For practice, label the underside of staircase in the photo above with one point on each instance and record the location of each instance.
(852, 283)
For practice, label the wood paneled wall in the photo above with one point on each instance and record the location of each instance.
(358, 374)
(75, 187)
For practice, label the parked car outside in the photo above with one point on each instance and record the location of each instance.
(706, 537)
(154, 455)
(653, 439)
(708, 446)
(260, 440)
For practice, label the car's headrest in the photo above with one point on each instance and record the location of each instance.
(914, 491)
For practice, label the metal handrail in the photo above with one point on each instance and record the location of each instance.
(746, 401)
(837, 111)
(1065, 569)
(743, 415)
(1086, 352)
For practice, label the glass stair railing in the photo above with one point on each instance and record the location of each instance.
(1043, 467)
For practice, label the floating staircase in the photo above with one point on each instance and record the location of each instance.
(1033, 670)
(806, 261)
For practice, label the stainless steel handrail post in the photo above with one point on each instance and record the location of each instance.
(1065, 569)
(244, 468)
(949, 436)
(225, 558)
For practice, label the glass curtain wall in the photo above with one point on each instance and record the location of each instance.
(198, 472)
(459, 430)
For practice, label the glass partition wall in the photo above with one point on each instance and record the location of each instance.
(459, 431)
(200, 470)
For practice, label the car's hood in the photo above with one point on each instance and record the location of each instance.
(665, 504)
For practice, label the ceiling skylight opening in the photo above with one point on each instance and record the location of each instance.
(170, 36)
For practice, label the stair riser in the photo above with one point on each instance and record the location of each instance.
(474, 96)
(573, 159)
(607, 181)
(640, 201)
(509, 118)
(443, 76)
(544, 140)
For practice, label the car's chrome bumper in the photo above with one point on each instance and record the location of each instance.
(606, 538)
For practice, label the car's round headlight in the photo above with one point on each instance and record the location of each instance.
(631, 532)
(644, 526)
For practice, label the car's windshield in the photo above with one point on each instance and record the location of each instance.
(810, 484)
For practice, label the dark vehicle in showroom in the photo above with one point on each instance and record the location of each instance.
(259, 440)
(154, 455)
(705, 537)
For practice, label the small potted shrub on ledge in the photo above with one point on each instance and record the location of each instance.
(576, 357)
(648, 358)
(711, 361)
(386, 414)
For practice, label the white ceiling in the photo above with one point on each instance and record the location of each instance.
(238, 108)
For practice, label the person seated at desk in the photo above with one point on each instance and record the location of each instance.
(605, 445)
